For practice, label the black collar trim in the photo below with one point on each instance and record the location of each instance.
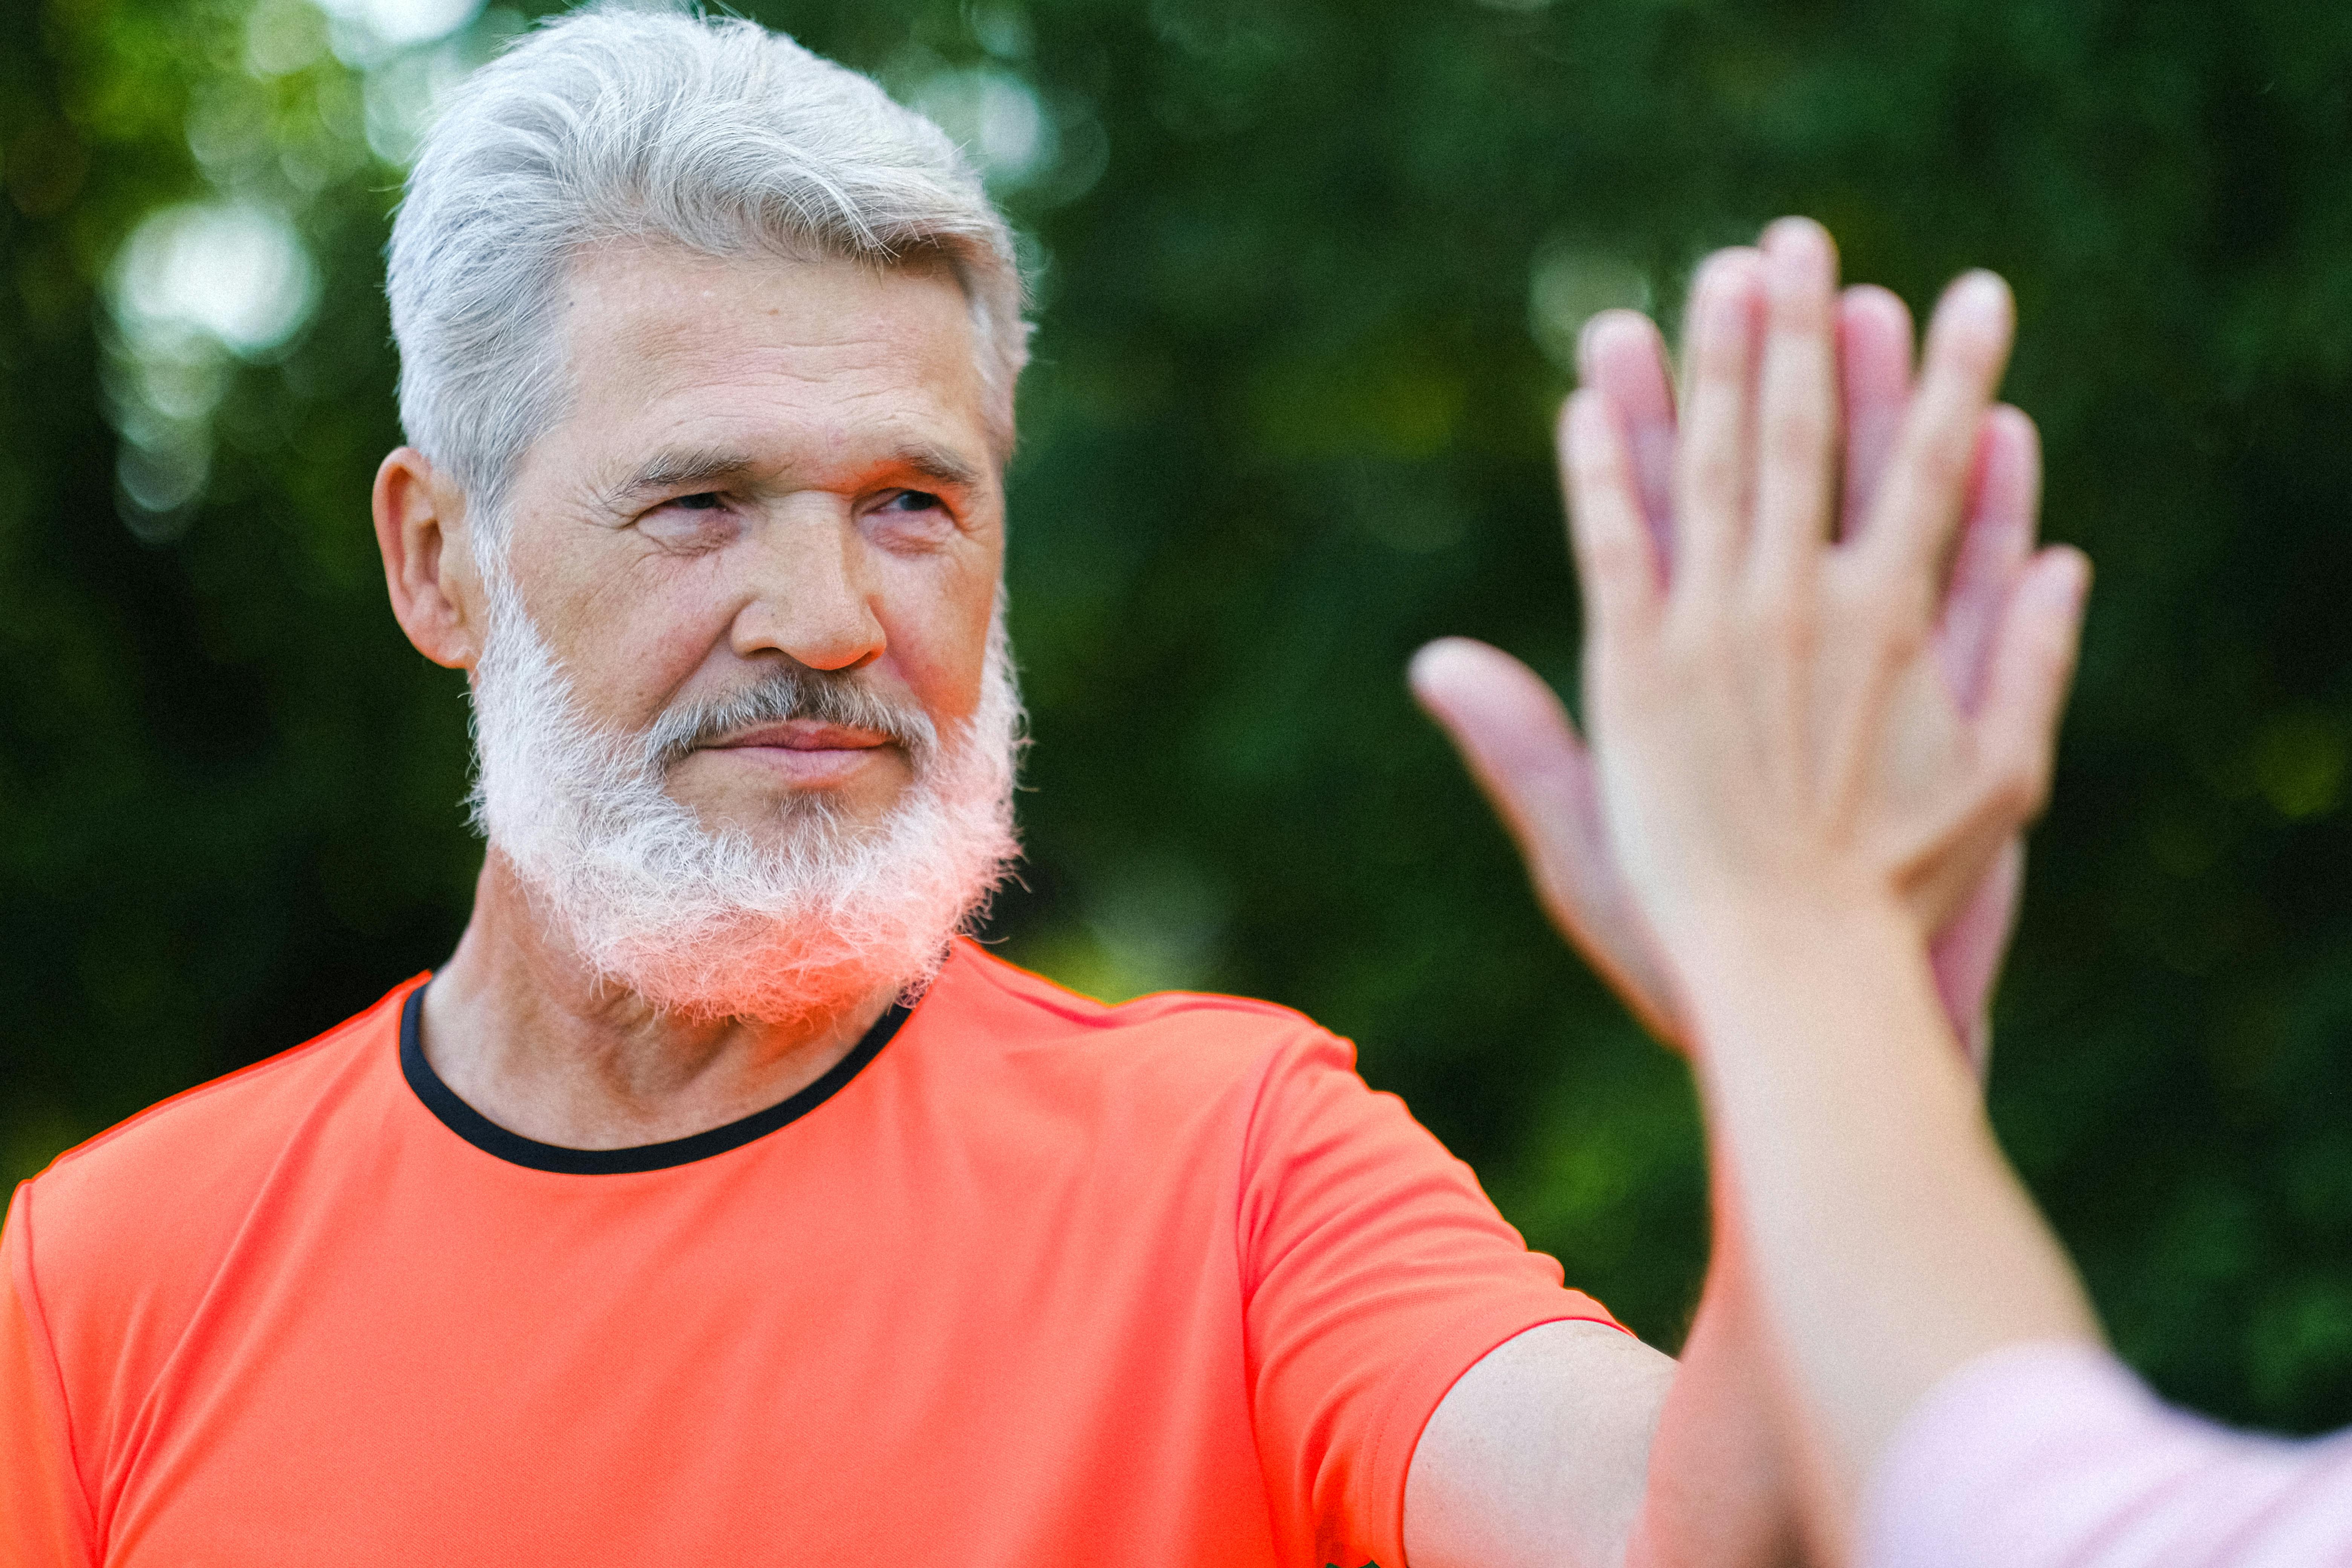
(515, 1148)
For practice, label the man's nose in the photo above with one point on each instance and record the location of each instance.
(807, 594)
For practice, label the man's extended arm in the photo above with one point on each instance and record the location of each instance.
(1574, 1444)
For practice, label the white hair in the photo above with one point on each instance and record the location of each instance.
(816, 912)
(612, 123)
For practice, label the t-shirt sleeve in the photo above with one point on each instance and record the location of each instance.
(2054, 1456)
(1376, 1273)
(44, 1510)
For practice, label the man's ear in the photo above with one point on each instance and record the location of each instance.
(428, 562)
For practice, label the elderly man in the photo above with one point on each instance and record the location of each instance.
(716, 1202)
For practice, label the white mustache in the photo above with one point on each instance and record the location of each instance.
(820, 696)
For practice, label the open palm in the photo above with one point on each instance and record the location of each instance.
(1521, 745)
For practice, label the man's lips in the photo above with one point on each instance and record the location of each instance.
(797, 735)
(804, 755)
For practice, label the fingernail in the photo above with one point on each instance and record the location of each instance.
(1592, 338)
(1702, 282)
(1801, 253)
(1980, 294)
(1425, 670)
(1724, 290)
(1586, 415)
(1798, 234)
(1718, 270)
(2066, 585)
(1584, 336)
(2080, 577)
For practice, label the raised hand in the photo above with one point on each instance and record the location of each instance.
(1797, 789)
(1779, 722)
(1521, 745)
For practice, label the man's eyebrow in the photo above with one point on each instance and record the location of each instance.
(688, 467)
(683, 466)
(939, 465)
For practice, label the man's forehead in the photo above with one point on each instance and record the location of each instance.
(650, 322)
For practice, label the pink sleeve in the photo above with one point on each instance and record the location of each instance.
(2054, 1456)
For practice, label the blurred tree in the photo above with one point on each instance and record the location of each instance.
(1308, 277)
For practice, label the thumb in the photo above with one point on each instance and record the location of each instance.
(1514, 733)
(1518, 743)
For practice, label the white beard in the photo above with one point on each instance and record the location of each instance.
(714, 924)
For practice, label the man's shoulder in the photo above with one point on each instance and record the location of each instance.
(205, 1148)
(1185, 1034)
(1175, 1089)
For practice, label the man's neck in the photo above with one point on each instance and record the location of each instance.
(523, 1033)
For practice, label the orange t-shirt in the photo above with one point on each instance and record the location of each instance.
(1025, 1281)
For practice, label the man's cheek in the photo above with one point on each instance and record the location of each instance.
(631, 670)
(944, 674)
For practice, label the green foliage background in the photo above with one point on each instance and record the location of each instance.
(1304, 269)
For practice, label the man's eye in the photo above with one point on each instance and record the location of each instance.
(698, 521)
(913, 501)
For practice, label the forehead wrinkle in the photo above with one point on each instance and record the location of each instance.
(654, 300)
(669, 335)
(687, 345)
(696, 383)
